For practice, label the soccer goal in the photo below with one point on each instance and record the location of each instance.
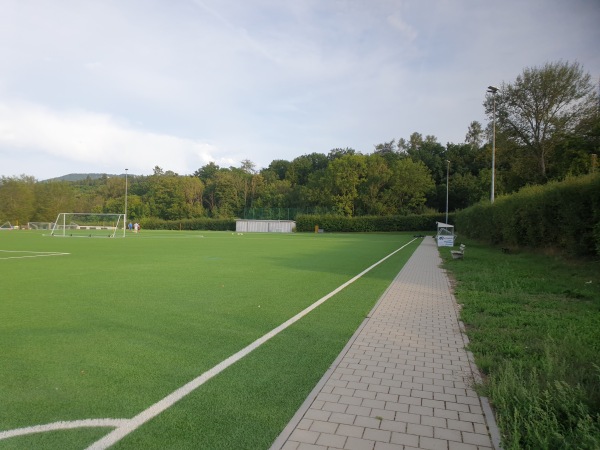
(40, 225)
(6, 226)
(89, 225)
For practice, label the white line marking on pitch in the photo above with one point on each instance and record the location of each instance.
(123, 427)
(35, 254)
(89, 423)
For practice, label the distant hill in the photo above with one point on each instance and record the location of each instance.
(83, 176)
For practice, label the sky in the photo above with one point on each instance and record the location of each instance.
(90, 86)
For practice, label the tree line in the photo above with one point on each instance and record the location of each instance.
(547, 127)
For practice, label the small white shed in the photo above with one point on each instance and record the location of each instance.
(264, 226)
(445, 235)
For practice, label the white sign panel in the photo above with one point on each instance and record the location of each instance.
(445, 241)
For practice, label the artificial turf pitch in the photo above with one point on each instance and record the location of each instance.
(96, 328)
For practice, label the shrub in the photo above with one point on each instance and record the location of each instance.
(334, 223)
(564, 215)
(189, 224)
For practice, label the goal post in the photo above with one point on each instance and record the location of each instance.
(89, 225)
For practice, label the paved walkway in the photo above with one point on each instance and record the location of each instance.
(404, 379)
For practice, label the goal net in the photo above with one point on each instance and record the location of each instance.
(89, 225)
(40, 225)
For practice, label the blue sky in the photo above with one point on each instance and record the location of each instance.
(100, 86)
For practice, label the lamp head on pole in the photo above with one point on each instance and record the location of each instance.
(492, 89)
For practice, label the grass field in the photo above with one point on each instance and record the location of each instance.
(105, 328)
(534, 326)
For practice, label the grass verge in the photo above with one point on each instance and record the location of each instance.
(534, 327)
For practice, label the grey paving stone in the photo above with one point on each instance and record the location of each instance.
(335, 407)
(318, 404)
(433, 443)
(305, 424)
(383, 414)
(386, 397)
(460, 446)
(365, 393)
(458, 407)
(351, 400)
(359, 444)
(305, 446)
(377, 435)
(367, 422)
(337, 383)
(371, 380)
(357, 385)
(310, 437)
(343, 391)
(469, 417)
(386, 446)
(476, 409)
(400, 391)
(393, 425)
(460, 425)
(331, 440)
(435, 404)
(405, 439)
(290, 445)
(338, 417)
(399, 407)
(328, 397)
(359, 411)
(421, 410)
(445, 433)
(317, 414)
(419, 430)
(437, 422)
(480, 428)
(477, 439)
(323, 427)
(350, 430)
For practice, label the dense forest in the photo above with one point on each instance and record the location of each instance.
(547, 127)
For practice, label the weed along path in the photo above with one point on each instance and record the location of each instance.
(123, 427)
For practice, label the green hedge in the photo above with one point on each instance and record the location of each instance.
(189, 224)
(307, 222)
(334, 223)
(563, 215)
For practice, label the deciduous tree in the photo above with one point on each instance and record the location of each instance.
(411, 182)
(540, 108)
(17, 199)
(344, 176)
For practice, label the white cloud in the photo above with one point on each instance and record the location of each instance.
(98, 141)
(408, 31)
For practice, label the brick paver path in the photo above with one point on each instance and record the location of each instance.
(404, 380)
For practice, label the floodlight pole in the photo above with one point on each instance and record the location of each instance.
(447, 181)
(125, 218)
(492, 90)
